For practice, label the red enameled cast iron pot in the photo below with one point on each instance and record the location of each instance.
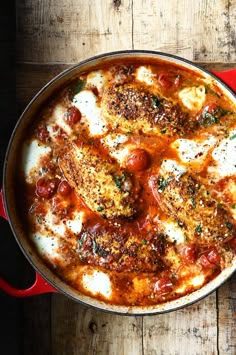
(46, 280)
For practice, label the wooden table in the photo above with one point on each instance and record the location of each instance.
(52, 35)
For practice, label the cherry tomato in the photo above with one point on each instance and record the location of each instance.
(163, 285)
(210, 258)
(168, 80)
(72, 116)
(188, 252)
(64, 188)
(42, 133)
(138, 160)
(46, 187)
(211, 108)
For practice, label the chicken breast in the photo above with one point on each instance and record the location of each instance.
(134, 107)
(104, 187)
(183, 198)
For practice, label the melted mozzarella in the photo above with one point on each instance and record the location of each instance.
(174, 232)
(53, 224)
(97, 282)
(46, 245)
(116, 148)
(86, 102)
(145, 75)
(96, 78)
(197, 281)
(58, 118)
(171, 166)
(225, 157)
(193, 98)
(75, 224)
(190, 150)
(32, 154)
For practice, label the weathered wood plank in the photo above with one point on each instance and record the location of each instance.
(79, 330)
(68, 31)
(227, 317)
(189, 331)
(197, 30)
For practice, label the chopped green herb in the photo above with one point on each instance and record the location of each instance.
(229, 225)
(193, 202)
(234, 206)
(219, 205)
(163, 131)
(100, 208)
(95, 246)
(191, 191)
(198, 229)
(79, 86)
(144, 242)
(156, 101)
(162, 183)
(119, 180)
(232, 137)
(162, 237)
(180, 223)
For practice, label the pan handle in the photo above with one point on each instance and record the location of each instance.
(228, 76)
(2, 208)
(39, 286)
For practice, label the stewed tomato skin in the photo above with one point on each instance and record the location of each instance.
(210, 258)
(46, 187)
(137, 160)
(72, 115)
(169, 80)
(42, 134)
(64, 188)
(188, 252)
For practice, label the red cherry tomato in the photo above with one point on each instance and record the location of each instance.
(211, 108)
(163, 285)
(168, 80)
(138, 160)
(64, 188)
(188, 252)
(210, 258)
(46, 187)
(42, 134)
(72, 116)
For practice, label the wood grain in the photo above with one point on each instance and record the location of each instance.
(227, 317)
(68, 31)
(86, 331)
(197, 30)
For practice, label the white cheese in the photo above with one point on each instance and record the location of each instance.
(96, 78)
(58, 118)
(97, 282)
(32, 154)
(145, 75)
(53, 225)
(225, 157)
(197, 281)
(171, 166)
(46, 245)
(190, 150)
(75, 224)
(193, 98)
(116, 148)
(174, 232)
(86, 102)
